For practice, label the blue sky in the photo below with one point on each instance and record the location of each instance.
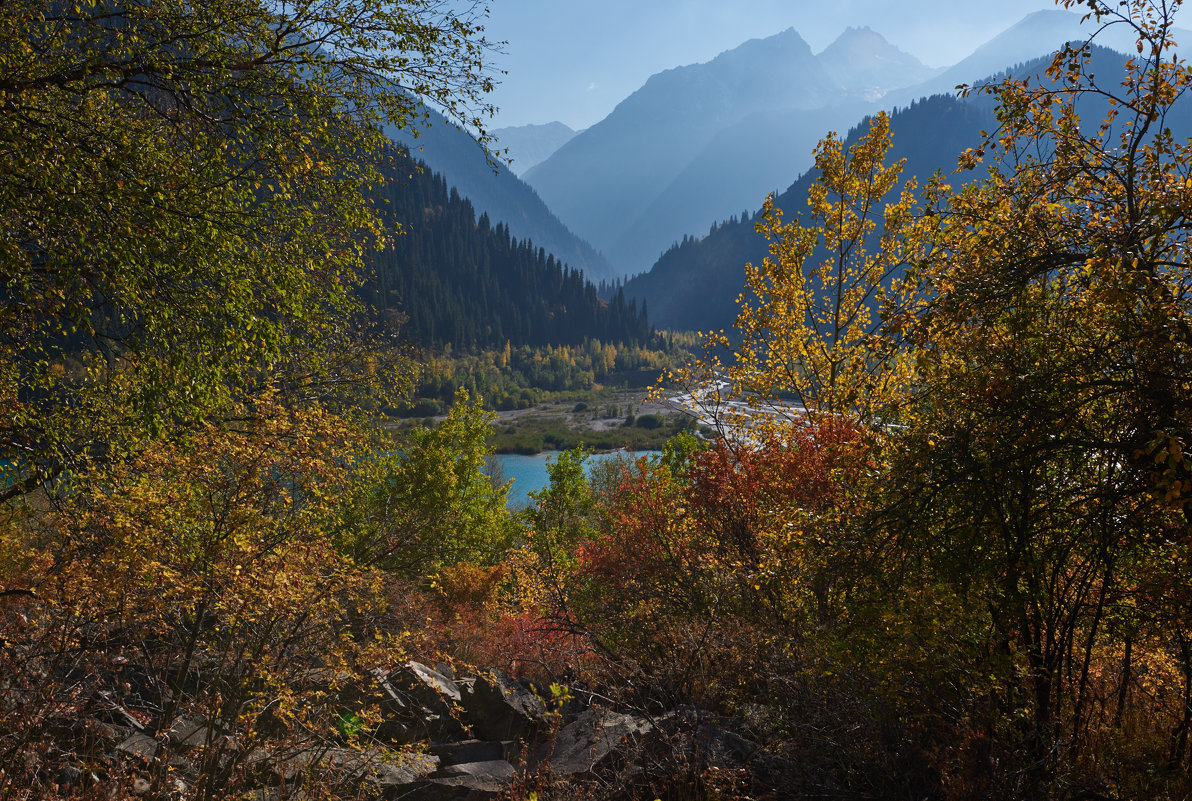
(574, 61)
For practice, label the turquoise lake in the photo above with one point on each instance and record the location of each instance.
(529, 472)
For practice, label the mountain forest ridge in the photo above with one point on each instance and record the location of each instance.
(700, 144)
(694, 284)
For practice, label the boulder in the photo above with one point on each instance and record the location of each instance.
(596, 739)
(434, 680)
(418, 703)
(392, 774)
(470, 781)
(721, 748)
(187, 732)
(139, 745)
(499, 708)
(395, 772)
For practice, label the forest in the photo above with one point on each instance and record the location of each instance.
(939, 545)
(452, 279)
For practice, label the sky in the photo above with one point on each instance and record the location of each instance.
(574, 61)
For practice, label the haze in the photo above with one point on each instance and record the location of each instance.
(573, 62)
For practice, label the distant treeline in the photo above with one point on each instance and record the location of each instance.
(457, 280)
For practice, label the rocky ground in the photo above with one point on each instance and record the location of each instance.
(444, 737)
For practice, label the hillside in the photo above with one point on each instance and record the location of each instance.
(694, 285)
(494, 189)
(474, 284)
(528, 145)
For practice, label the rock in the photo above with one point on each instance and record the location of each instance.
(398, 770)
(435, 680)
(474, 751)
(418, 703)
(470, 781)
(392, 701)
(187, 732)
(114, 712)
(721, 748)
(596, 738)
(391, 773)
(140, 785)
(141, 745)
(496, 769)
(68, 778)
(499, 708)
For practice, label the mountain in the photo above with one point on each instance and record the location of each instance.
(528, 145)
(632, 184)
(694, 285)
(1035, 35)
(453, 279)
(494, 190)
(868, 66)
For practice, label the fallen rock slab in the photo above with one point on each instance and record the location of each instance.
(596, 738)
(474, 751)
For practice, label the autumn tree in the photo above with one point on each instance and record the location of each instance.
(1043, 461)
(809, 322)
(182, 208)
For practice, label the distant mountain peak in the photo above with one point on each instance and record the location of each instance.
(787, 41)
(857, 31)
(528, 145)
(866, 64)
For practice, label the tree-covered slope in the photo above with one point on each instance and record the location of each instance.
(494, 189)
(472, 283)
(695, 284)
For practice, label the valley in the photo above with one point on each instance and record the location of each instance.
(325, 382)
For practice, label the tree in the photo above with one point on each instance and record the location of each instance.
(811, 331)
(182, 209)
(1042, 466)
(431, 504)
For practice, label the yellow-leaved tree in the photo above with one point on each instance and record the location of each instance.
(809, 322)
(809, 338)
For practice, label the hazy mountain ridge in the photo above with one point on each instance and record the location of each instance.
(689, 121)
(528, 145)
(1034, 36)
(693, 286)
(867, 65)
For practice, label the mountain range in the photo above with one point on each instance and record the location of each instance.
(702, 144)
(697, 143)
(523, 146)
(694, 285)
